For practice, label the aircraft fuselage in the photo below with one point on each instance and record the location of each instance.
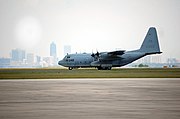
(86, 60)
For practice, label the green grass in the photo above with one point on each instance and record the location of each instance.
(56, 73)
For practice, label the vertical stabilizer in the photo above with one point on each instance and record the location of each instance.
(150, 44)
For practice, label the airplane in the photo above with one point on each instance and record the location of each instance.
(107, 60)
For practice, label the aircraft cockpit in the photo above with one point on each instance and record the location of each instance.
(68, 58)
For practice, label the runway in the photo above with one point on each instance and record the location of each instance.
(90, 99)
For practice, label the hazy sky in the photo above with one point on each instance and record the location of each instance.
(87, 25)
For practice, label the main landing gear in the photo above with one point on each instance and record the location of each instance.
(104, 68)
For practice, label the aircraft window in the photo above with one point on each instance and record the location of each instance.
(71, 60)
(68, 56)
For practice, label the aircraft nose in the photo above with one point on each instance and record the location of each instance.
(60, 62)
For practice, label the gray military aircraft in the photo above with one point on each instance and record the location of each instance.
(107, 60)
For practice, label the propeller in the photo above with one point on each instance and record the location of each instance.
(95, 55)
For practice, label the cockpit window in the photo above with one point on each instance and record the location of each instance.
(68, 56)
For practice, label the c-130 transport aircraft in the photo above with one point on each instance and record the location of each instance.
(107, 60)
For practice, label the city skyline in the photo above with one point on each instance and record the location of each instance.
(87, 26)
(67, 50)
(21, 58)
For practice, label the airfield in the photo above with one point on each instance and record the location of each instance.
(123, 93)
(59, 73)
(123, 98)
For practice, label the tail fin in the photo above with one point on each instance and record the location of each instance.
(150, 44)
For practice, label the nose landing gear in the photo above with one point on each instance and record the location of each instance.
(70, 68)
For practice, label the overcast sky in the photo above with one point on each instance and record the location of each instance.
(87, 25)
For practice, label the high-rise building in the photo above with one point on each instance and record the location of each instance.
(38, 59)
(67, 49)
(30, 58)
(53, 53)
(53, 49)
(17, 55)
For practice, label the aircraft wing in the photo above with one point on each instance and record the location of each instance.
(111, 55)
(118, 52)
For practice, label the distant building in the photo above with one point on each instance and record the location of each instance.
(156, 59)
(30, 58)
(53, 50)
(53, 54)
(48, 61)
(38, 59)
(144, 60)
(147, 59)
(5, 62)
(18, 55)
(172, 62)
(67, 49)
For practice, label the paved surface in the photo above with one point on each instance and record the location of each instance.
(90, 99)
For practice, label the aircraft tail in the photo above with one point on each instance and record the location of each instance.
(150, 44)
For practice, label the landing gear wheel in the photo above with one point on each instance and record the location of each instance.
(70, 68)
(99, 68)
(109, 68)
(104, 68)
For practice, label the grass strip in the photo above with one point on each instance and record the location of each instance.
(58, 73)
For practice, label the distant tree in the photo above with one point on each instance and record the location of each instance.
(135, 66)
(143, 65)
